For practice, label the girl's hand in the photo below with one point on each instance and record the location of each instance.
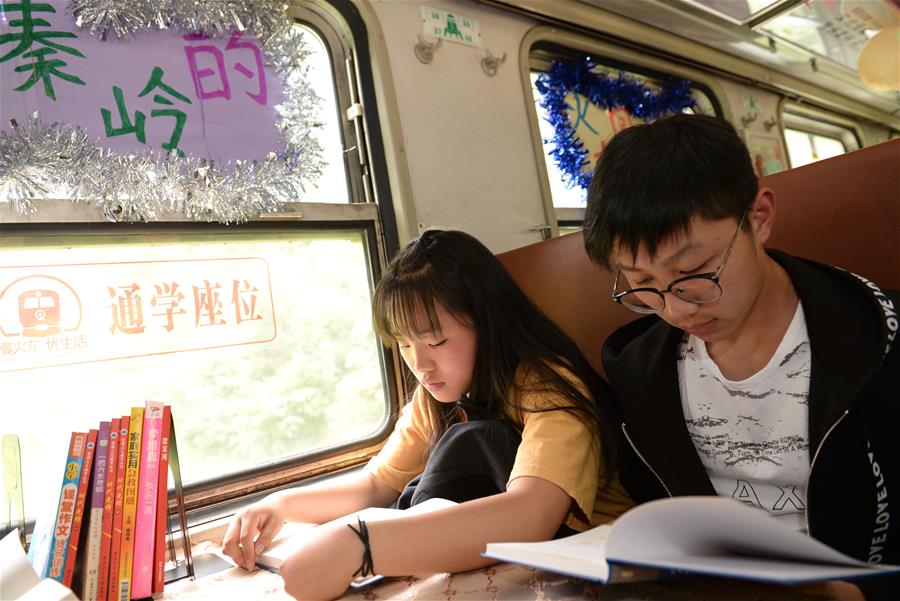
(251, 531)
(840, 590)
(323, 567)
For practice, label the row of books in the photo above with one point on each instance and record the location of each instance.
(106, 540)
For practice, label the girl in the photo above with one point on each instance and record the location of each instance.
(507, 418)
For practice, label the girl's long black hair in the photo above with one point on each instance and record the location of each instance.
(519, 349)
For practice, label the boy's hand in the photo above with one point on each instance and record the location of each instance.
(323, 567)
(251, 531)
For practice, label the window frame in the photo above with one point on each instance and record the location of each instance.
(606, 53)
(814, 120)
(342, 30)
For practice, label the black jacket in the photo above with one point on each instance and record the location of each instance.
(853, 492)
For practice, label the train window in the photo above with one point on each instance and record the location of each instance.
(258, 335)
(332, 184)
(805, 147)
(594, 125)
(812, 134)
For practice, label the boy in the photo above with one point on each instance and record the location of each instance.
(764, 377)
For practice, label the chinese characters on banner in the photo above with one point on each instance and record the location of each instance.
(165, 91)
(64, 314)
(594, 126)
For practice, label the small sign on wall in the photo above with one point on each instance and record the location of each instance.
(452, 27)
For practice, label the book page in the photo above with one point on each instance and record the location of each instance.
(48, 590)
(720, 536)
(582, 555)
(16, 574)
(700, 526)
(18, 579)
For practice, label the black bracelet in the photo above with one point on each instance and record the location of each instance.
(366, 568)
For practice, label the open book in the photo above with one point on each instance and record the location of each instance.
(293, 536)
(19, 581)
(699, 535)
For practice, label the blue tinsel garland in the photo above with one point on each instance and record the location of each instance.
(606, 92)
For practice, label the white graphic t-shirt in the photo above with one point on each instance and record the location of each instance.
(753, 435)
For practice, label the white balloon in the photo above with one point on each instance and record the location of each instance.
(879, 61)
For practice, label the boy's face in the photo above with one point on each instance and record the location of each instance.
(701, 250)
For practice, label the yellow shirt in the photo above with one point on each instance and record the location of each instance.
(556, 446)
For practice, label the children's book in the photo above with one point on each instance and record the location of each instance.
(19, 581)
(162, 504)
(115, 544)
(95, 516)
(129, 502)
(65, 511)
(42, 541)
(697, 535)
(294, 535)
(81, 501)
(109, 503)
(145, 519)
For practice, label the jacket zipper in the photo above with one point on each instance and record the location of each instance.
(628, 438)
(813, 463)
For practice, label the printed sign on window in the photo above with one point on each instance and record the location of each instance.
(63, 314)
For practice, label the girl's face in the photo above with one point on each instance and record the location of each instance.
(442, 360)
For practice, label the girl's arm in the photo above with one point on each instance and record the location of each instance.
(253, 529)
(447, 540)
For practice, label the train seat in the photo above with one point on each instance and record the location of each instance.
(843, 211)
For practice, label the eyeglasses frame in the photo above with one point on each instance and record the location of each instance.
(712, 276)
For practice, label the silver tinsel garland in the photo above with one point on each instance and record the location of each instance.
(265, 18)
(38, 161)
(59, 160)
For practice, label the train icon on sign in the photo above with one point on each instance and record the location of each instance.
(39, 312)
(38, 306)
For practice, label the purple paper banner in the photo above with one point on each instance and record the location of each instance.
(165, 91)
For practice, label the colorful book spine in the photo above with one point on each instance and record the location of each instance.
(115, 544)
(148, 483)
(80, 504)
(95, 517)
(129, 507)
(65, 512)
(162, 504)
(109, 503)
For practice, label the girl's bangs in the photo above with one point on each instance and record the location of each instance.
(405, 308)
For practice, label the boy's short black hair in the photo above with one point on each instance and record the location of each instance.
(652, 179)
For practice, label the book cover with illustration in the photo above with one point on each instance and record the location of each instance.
(81, 501)
(148, 483)
(65, 510)
(162, 503)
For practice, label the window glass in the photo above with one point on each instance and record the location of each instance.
(837, 31)
(737, 10)
(332, 184)
(806, 147)
(259, 339)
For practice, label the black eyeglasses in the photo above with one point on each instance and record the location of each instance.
(699, 289)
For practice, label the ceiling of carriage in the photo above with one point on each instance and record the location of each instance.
(848, 46)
